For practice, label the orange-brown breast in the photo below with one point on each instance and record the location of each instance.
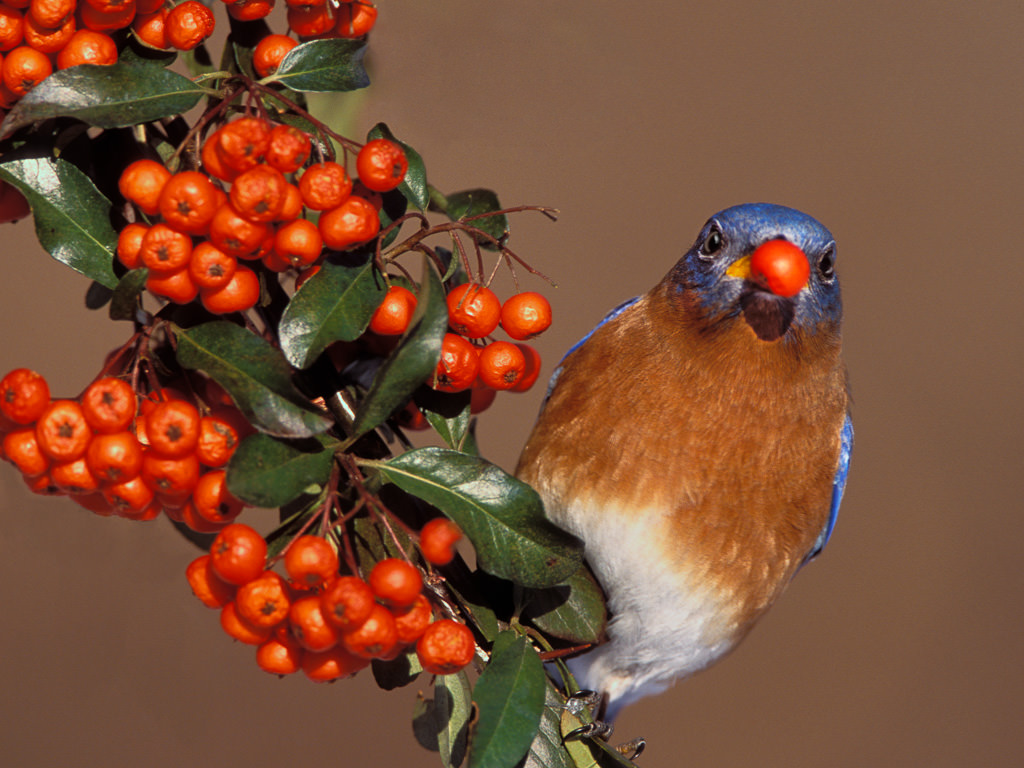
(733, 439)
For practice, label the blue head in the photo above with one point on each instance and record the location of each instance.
(715, 272)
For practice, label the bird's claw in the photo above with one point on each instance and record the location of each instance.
(590, 702)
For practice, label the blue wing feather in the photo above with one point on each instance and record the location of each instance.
(838, 486)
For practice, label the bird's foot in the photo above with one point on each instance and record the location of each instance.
(587, 707)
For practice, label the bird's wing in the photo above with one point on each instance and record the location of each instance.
(610, 316)
(838, 486)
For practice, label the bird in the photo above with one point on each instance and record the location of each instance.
(698, 441)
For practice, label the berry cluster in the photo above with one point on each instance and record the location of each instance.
(200, 232)
(327, 624)
(39, 35)
(116, 455)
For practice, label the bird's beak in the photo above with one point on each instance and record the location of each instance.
(740, 268)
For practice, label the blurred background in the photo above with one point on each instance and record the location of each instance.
(897, 125)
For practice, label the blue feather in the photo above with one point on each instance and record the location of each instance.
(838, 486)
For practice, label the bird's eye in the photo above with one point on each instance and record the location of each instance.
(713, 243)
(827, 263)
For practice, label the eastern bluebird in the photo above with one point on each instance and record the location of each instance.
(697, 441)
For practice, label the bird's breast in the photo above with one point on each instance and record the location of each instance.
(700, 459)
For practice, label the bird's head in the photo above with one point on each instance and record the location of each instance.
(771, 265)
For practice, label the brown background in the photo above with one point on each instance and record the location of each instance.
(899, 127)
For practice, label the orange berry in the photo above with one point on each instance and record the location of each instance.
(263, 602)
(51, 13)
(502, 364)
(292, 207)
(381, 165)
(531, 370)
(411, 623)
(172, 428)
(239, 294)
(142, 182)
(236, 235)
(129, 498)
(242, 143)
(395, 582)
(189, 200)
(525, 315)
(346, 602)
(392, 317)
(438, 539)
(176, 286)
(280, 655)
(289, 147)
(445, 647)
(151, 28)
(109, 404)
(258, 193)
(240, 629)
(165, 249)
(21, 448)
(24, 395)
(188, 24)
(62, 431)
(12, 27)
(310, 20)
(481, 397)
(106, 20)
(94, 502)
(73, 476)
(48, 40)
(114, 457)
(145, 7)
(189, 515)
(24, 68)
(218, 440)
(324, 186)
(238, 553)
(212, 500)
(299, 243)
(473, 310)
(210, 267)
(780, 267)
(458, 366)
(87, 47)
(211, 590)
(355, 19)
(171, 479)
(308, 625)
(250, 10)
(269, 52)
(332, 664)
(310, 561)
(374, 638)
(353, 222)
(129, 245)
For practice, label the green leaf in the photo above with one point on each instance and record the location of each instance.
(448, 413)
(441, 724)
(336, 304)
(97, 296)
(323, 65)
(269, 472)
(413, 360)
(546, 749)
(573, 611)
(503, 517)
(474, 202)
(111, 96)
(125, 301)
(72, 217)
(398, 672)
(510, 700)
(414, 185)
(256, 375)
